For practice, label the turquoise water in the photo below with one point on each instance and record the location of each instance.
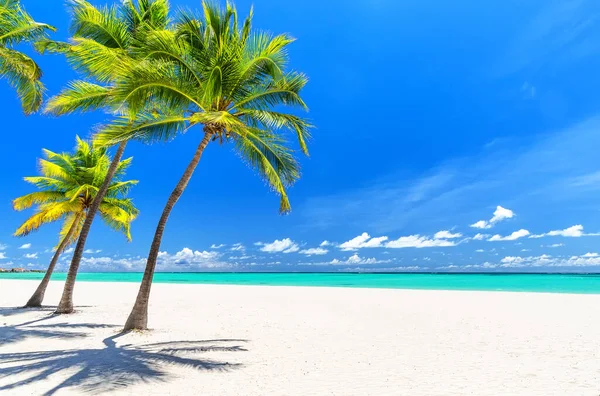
(552, 283)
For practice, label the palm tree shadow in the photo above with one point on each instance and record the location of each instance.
(10, 311)
(33, 328)
(113, 367)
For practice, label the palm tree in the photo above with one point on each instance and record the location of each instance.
(16, 26)
(230, 83)
(67, 187)
(105, 43)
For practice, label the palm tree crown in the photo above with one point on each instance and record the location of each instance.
(68, 185)
(16, 26)
(211, 72)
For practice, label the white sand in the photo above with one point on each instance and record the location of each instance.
(254, 340)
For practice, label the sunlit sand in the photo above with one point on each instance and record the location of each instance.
(255, 340)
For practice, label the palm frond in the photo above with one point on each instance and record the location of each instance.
(146, 128)
(79, 96)
(24, 75)
(36, 198)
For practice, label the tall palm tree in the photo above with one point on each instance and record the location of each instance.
(16, 26)
(228, 82)
(105, 43)
(67, 187)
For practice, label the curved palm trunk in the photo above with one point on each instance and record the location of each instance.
(66, 302)
(138, 318)
(38, 296)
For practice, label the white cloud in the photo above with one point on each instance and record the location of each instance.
(418, 241)
(237, 247)
(326, 243)
(3, 247)
(92, 251)
(31, 255)
(514, 236)
(314, 251)
(213, 246)
(591, 255)
(356, 259)
(575, 231)
(69, 250)
(480, 250)
(189, 255)
(285, 245)
(2, 256)
(184, 260)
(25, 246)
(446, 235)
(555, 245)
(481, 224)
(480, 237)
(499, 214)
(363, 241)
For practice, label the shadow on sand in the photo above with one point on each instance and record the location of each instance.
(109, 368)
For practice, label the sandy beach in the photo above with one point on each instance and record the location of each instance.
(255, 340)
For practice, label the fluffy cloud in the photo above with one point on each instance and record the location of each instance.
(446, 235)
(499, 214)
(512, 237)
(575, 231)
(213, 246)
(2, 256)
(25, 246)
(184, 260)
(363, 241)
(31, 255)
(285, 245)
(480, 237)
(314, 251)
(92, 251)
(544, 260)
(356, 259)
(418, 241)
(326, 243)
(69, 250)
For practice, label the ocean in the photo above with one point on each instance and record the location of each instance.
(548, 283)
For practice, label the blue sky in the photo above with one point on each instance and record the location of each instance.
(431, 117)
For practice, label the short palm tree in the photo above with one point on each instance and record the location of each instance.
(67, 187)
(16, 26)
(230, 84)
(105, 43)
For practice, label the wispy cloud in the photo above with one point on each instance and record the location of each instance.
(31, 255)
(25, 246)
(521, 174)
(418, 241)
(214, 246)
(237, 247)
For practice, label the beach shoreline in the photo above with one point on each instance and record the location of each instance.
(293, 340)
